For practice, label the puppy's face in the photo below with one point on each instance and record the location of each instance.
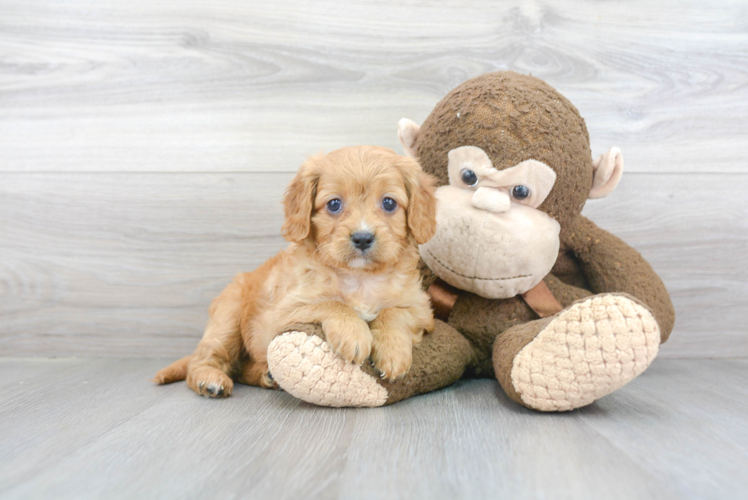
(361, 207)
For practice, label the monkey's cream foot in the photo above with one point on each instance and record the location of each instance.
(303, 364)
(585, 352)
(306, 367)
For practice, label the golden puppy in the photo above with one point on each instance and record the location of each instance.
(355, 218)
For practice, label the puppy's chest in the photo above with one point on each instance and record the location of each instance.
(368, 295)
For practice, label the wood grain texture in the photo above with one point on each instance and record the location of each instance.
(258, 86)
(677, 411)
(126, 264)
(144, 145)
(694, 231)
(116, 263)
(98, 429)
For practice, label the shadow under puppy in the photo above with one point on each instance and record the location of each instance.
(354, 218)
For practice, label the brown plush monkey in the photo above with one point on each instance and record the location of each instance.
(529, 291)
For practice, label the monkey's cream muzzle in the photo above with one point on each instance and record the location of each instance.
(483, 233)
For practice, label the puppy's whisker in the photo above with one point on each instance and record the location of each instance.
(321, 244)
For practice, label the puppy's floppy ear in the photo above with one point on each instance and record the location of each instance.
(421, 212)
(298, 202)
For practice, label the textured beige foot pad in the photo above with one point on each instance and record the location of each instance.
(588, 351)
(306, 367)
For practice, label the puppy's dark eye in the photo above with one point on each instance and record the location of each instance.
(520, 192)
(334, 206)
(469, 177)
(389, 205)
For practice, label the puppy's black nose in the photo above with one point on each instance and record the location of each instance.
(362, 240)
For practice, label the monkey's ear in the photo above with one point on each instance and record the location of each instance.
(407, 132)
(608, 169)
(421, 212)
(298, 202)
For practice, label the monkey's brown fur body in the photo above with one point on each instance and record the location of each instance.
(554, 363)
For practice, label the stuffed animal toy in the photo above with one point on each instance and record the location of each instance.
(525, 288)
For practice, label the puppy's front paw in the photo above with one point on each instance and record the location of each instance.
(210, 381)
(392, 354)
(350, 338)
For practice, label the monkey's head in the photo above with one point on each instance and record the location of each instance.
(512, 158)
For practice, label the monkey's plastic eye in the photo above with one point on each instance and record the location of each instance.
(389, 205)
(520, 192)
(334, 206)
(469, 177)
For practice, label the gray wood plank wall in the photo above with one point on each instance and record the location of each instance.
(144, 146)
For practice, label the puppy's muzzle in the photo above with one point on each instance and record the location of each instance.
(362, 240)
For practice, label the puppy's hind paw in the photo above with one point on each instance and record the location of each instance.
(211, 382)
(269, 382)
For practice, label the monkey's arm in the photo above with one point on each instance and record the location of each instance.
(610, 265)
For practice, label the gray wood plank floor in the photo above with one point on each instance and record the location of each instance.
(96, 428)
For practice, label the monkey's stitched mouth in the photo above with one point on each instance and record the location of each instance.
(474, 277)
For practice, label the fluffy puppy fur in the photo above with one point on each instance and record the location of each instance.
(354, 219)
